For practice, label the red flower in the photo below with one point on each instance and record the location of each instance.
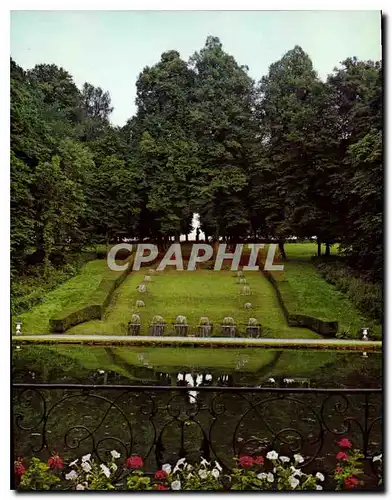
(338, 469)
(351, 482)
(344, 443)
(161, 475)
(134, 462)
(246, 461)
(19, 468)
(259, 460)
(55, 462)
(342, 455)
(161, 487)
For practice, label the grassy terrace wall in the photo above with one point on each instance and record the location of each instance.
(96, 306)
(325, 328)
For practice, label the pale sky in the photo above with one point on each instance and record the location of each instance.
(110, 48)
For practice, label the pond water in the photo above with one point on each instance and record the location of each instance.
(194, 366)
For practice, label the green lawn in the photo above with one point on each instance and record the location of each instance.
(194, 294)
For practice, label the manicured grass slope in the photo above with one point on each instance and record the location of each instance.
(194, 294)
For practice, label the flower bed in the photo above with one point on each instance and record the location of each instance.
(272, 472)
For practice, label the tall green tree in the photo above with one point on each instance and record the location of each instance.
(224, 127)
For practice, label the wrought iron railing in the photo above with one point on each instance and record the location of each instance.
(163, 423)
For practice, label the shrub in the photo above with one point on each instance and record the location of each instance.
(229, 327)
(140, 303)
(157, 325)
(245, 290)
(181, 320)
(204, 328)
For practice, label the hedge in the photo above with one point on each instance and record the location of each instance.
(325, 328)
(95, 309)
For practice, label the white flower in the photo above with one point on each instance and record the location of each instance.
(218, 466)
(181, 461)
(203, 473)
(215, 473)
(298, 458)
(74, 462)
(320, 476)
(79, 487)
(166, 468)
(204, 462)
(115, 454)
(189, 467)
(319, 487)
(86, 466)
(105, 470)
(270, 477)
(86, 457)
(377, 458)
(296, 472)
(272, 380)
(272, 455)
(71, 475)
(189, 476)
(262, 475)
(294, 482)
(274, 470)
(284, 459)
(176, 485)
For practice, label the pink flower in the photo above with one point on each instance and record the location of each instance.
(259, 460)
(351, 482)
(55, 462)
(246, 461)
(161, 487)
(342, 455)
(338, 469)
(161, 475)
(19, 468)
(344, 443)
(134, 462)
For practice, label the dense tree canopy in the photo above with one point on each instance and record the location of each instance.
(290, 155)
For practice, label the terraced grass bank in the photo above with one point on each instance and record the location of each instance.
(199, 294)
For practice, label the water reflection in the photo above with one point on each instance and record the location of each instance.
(117, 365)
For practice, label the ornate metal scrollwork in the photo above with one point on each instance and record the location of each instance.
(214, 422)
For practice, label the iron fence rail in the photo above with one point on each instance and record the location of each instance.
(164, 423)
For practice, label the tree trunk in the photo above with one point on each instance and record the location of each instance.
(281, 249)
(187, 238)
(318, 247)
(327, 249)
